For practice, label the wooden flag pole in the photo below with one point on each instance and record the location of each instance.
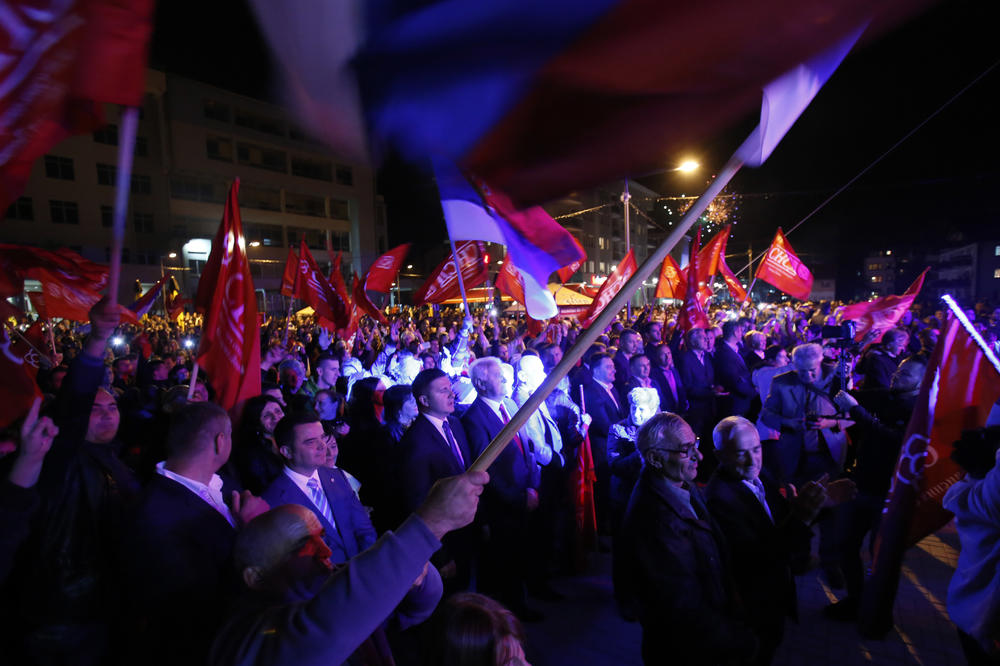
(123, 184)
(606, 316)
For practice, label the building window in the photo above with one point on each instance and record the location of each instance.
(106, 174)
(141, 184)
(107, 216)
(22, 209)
(216, 111)
(601, 266)
(107, 135)
(219, 148)
(996, 273)
(345, 175)
(261, 157)
(268, 235)
(194, 189)
(315, 238)
(602, 244)
(259, 123)
(260, 197)
(996, 251)
(341, 240)
(141, 146)
(59, 167)
(315, 169)
(64, 212)
(340, 209)
(876, 278)
(305, 204)
(142, 223)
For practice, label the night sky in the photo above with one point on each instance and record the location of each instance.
(938, 186)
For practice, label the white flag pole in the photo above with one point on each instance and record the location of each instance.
(123, 185)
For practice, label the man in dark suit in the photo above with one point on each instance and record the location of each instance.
(511, 493)
(674, 559)
(731, 373)
(433, 447)
(327, 492)
(697, 373)
(180, 540)
(606, 409)
(629, 344)
(762, 529)
(673, 397)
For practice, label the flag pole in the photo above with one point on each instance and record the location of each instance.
(605, 317)
(291, 300)
(626, 197)
(749, 289)
(123, 182)
(194, 381)
(458, 270)
(52, 338)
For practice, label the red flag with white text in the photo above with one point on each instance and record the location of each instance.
(782, 269)
(692, 314)
(883, 313)
(960, 386)
(383, 272)
(610, 288)
(443, 282)
(230, 339)
(288, 275)
(317, 292)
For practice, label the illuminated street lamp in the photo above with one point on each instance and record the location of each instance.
(687, 166)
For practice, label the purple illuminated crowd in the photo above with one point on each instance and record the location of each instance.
(333, 519)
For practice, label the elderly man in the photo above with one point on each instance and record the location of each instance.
(673, 557)
(762, 528)
(880, 362)
(297, 612)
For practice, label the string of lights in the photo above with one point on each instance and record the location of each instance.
(582, 212)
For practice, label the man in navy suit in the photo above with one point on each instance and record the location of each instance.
(605, 408)
(435, 447)
(673, 397)
(180, 540)
(698, 376)
(326, 491)
(511, 493)
(731, 373)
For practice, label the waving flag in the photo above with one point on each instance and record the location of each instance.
(510, 282)
(62, 60)
(692, 314)
(18, 262)
(337, 278)
(736, 289)
(145, 302)
(383, 272)
(782, 269)
(65, 297)
(672, 283)
(288, 275)
(960, 387)
(317, 292)
(710, 255)
(610, 288)
(883, 313)
(19, 363)
(175, 300)
(443, 282)
(566, 272)
(363, 303)
(230, 339)
(537, 244)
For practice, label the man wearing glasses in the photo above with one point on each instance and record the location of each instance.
(674, 554)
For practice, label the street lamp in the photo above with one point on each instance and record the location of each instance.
(172, 255)
(687, 166)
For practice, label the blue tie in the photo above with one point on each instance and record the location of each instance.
(452, 443)
(318, 498)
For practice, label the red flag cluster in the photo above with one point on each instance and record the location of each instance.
(692, 314)
(443, 282)
(711, 259)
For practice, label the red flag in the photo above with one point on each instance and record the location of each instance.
(883, 313)
(230, 339)
(960, 387)
(566, 272)
(443, 282)
(288, 276)
(175, 302)
(610, 288)
(510, 281)
(20, 261)
(672, 283)
(66, 298)
(736, 289)
(383, 272)
(62, 62)
(337, 279)
(19, 364)
(363, 303)
(317, 292)
(582, 480)
(710, 255)
(782, 269)
(692, 314)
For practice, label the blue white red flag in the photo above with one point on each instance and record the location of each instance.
(144, 303)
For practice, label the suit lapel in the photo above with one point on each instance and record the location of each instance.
(339, 511)
(295, 495)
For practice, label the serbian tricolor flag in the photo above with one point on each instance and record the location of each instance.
(510, 282)
(537, 244)
(383, 272)
(782, 269)
(144, 303)
(63, 60)
(960, 387)
(442, 284)
(230, 338)
(566, 272)
(672, 283)
(317, 292)
(883, 313)
(363, 303)
(610, 288)
(692, 314)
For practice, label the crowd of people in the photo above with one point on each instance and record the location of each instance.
(333, 518)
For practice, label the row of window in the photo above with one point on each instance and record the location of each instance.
(261, 198)
(62, 168)
(223, 113)
(108, 135)
(68, 212)
(261, 157)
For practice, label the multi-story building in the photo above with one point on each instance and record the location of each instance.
(879, 274)
(193, 140)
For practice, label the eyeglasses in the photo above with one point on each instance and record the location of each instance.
(685, 452)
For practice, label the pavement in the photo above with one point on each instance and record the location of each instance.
(586, 629)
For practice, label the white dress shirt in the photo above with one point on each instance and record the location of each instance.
(302, 481)
(210, 494)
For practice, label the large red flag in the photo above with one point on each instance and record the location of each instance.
(672, 283)
(566, 272)
(736, 289)
(383, 272)
(66, 297)
(782, 269)
(363, 303)
(19, 363)
(337, 278)
(21, 261)
(692, 314)
(883, 313)
(443, 282)
(610, 288)
(230, 338)
(288, 275)
(712, 254)
(317, 292)
(62, 61)
(960, 387)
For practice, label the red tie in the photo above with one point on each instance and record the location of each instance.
(506, 420)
